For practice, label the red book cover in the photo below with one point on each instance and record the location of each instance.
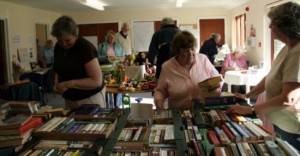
(221, 115)
(213, 138)
(32, 123)
(196, 147)
(266, 129)
(228, 133)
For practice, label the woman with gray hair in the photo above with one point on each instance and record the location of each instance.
(77, 72)
(282, 84)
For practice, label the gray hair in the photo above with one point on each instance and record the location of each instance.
(215, 36)
(286, 18)
(167, 20)
(64, 26)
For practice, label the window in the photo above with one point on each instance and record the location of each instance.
(240, 31)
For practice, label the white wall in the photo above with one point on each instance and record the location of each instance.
(21, 27)
(21, 21)
(257, 16)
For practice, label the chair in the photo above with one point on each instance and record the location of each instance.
(40, 81)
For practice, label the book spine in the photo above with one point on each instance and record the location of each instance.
(271, 132)
(253, 150)
(227, 140)
(250, 127)
(213, 138)
(221, 115)
(234, 149)
(287, 150)
(197, 134)
(67, 123)
(247, 149)
(157, 136)
(216, 119)
(169, 134)
(228, 133)
(265, 135)
(237, 136)
(93, 128)
(257, 149)
(244, 135)
(220, 135)
(273, 148)
(53, 126)
(137, 134)
(128, 135)
(86, 128)
(61, 125)
(252, 136)
(34, 122)
(47, 124)
(122, 135)
(187, 140)
(241, 149)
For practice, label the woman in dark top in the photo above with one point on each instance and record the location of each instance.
(77, 72)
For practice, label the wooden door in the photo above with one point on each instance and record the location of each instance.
(3, 62)
(209, 26)
(97, 29)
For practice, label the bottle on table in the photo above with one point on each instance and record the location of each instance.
(126, 100)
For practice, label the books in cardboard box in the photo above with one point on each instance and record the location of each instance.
(69, 128)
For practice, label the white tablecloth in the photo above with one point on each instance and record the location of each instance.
(248, 78)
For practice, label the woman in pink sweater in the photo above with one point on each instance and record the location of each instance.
(181, 74)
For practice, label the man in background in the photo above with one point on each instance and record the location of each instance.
(161, 37)
(123, 39)
(210, 47)
(39, 54)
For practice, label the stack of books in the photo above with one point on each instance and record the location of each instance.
(212, 99)
(16, 130)
(24, 107)
(4, 108)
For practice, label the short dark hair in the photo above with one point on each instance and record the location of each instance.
(286, 18)
(64, 26)
(182, 40)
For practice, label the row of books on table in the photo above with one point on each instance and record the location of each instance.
(192, 132)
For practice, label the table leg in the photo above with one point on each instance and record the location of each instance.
(229, 88)
(247, 91)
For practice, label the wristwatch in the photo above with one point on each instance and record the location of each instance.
(253, 110)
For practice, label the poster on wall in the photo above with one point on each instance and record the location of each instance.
(142, 34)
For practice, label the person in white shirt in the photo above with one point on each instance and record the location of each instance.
(123, 39)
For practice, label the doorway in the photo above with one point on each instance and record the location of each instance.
(41, 32)
(209, 26)
(3, 53)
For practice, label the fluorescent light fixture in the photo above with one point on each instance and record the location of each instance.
(179, 3)
(93, 4)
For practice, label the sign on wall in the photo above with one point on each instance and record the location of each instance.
(142, 34)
